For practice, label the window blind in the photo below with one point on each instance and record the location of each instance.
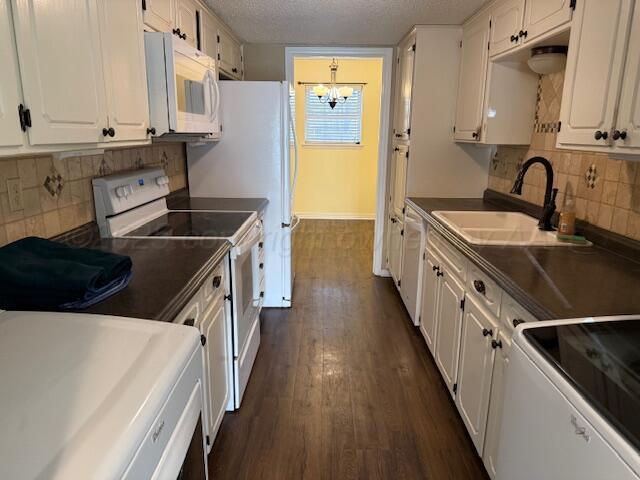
(341, 125)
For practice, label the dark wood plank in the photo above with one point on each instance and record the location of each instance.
(343, 386)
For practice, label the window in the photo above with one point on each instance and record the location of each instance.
(341, 125)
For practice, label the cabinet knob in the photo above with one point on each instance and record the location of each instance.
(487, 332)
(514, 38)
(261, 266)
(217, 281)
(108, 131)
(234, 70)
(261, 294)
(176, 31)
(190, 322)
(183, 36)
(396, 149)
(619, 135)
(151, 131)
(479, 286)
(517, 321)
(496, 344)
(261, 244)
(439, 273)
(522, 33)
(105, 132)
(435, 268)
(600, 135)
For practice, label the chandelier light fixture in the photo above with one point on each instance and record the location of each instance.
(332, 94)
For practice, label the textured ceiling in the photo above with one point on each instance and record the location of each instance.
(337, 22)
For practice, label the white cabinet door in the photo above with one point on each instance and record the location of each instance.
(61, 69)
(208, 34)
(406, 60)
(476, 369)
(230, 53)
(542, 16)
(187, 21)
(400, 160)
(124, 69)
(160, 14)
(629, 114)
(412, 248)
(430, 296)
(216, 363)
(496, 402)
(449, 326)
(10, 98)
(472, 79)
(395, 249)
(594, 68)
(506, 23)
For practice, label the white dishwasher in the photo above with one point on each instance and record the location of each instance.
(413, 248)
(97, 397)
(572, 401)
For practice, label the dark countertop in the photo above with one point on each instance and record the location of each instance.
(166, 273)
(182, 201)
(550, 282)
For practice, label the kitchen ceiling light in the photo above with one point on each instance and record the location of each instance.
(332, 94)
(545, 60)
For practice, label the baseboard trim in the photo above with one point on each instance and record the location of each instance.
(336, 216)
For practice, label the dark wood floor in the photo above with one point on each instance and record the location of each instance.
(343, 386)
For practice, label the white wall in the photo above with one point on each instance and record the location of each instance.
(438, 167)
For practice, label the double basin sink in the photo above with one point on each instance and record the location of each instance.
(499, 228)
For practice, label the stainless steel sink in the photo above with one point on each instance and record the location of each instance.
(498, 228)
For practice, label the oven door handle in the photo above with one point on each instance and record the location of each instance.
(248, 242)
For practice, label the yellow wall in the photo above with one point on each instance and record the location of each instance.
(339, 182)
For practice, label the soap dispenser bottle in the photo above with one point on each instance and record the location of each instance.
(567, 221)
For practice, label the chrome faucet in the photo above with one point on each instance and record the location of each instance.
(550, 193)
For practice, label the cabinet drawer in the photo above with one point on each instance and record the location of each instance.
(512, 314)
(485, 289)
(455, 262)
(214, 285)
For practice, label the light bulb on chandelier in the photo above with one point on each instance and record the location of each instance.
(332, 94)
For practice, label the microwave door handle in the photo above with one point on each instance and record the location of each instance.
(214, 90)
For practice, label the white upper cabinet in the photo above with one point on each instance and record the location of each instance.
(187, 21)
(476, 368)
(11, 134)
(61, 68)
(542, 16)
(159, 15)
(124, 69)
(506, 22)
(472, 77)
(208, 34)
(229, 54)
(406, 61)
(593, 76)
(400, 159)
(626, 133)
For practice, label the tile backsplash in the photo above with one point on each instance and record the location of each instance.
(45, 195)
(606, 190)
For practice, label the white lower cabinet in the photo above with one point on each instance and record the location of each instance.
(216, 364)
(496, 403)
(394, 261)
(412, 249)
(449, 315)
(476, 368)
(430, 297)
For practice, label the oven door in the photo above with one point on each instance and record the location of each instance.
(195, 105)
(247, 286)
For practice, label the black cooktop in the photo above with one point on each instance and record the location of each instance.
(602, 360)
(193, 224)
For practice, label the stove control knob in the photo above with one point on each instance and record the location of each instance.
(121, 192)
(163, 180)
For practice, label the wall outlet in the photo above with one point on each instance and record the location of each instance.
(14, 188)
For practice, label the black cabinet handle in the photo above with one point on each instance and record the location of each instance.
(261, 294)
(183, 36)
(516, 322)
(176, 31)
(496, 344)
(480, 286)
(396, 149)
(234, 70)
(260, 245)
(217, 281)
(514, 38)
(190, 322)
(600, 135)
(151, 131)
(439, 273)
(261, 266)
(435, 268)
(105, 132)
(108, 131)
(523, 33)
(475, 134)
(487, 332)
(619, 135)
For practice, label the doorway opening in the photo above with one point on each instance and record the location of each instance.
(342, 149)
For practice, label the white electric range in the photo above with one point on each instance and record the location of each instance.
(133, 205)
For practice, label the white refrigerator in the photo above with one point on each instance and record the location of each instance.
(253, 160)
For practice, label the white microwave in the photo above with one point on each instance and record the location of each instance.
(184, 98)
